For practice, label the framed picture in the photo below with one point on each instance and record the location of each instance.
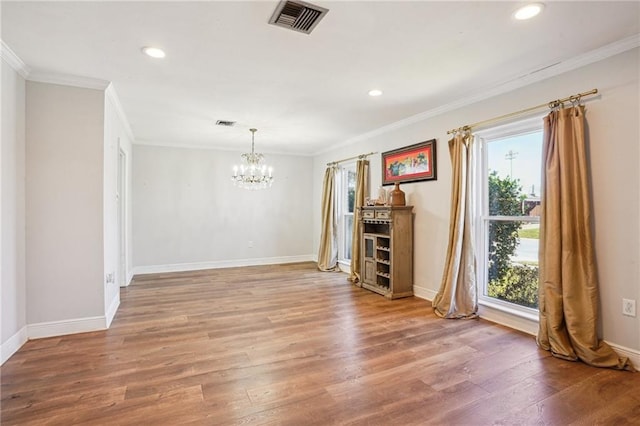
(410, 164)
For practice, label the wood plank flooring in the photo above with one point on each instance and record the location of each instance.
(289, 345)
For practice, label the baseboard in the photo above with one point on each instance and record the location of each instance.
(183, 267)
(424, 293)
(129, 279)
(113, 308)
(523, 324)
(61, 328)
(12, 344)
(632, 354)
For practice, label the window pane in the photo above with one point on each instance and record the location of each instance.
(512, 273)
(513, 166)
(351, 190)
(346, 205)
(348, 237)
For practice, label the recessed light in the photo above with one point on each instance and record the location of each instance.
(154, 52)
(528, 11)
(375, 92)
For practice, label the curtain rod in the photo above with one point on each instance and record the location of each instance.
(361, 156)
(552, 104)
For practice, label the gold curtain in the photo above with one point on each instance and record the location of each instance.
(328, 251)
(568, 289)
(362, 177)
(457, 297)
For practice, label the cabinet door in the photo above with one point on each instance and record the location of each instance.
(369, 247)
(369, 273)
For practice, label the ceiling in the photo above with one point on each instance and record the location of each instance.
(304, 93)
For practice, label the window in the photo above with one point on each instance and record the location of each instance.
(508, 216)
(346, 200)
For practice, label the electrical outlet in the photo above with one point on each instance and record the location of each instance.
(109, 278)
(250, 244)
(629, 307)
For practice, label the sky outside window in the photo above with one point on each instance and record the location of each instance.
(518, 157)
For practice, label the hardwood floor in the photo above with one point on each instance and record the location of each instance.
(289, 345)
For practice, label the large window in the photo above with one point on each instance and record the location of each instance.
(346, 200)
(509, 215)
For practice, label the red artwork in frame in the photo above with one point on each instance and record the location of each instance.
(410, 164)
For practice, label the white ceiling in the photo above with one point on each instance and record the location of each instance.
(304, 93)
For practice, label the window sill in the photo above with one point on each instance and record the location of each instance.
(519, 319)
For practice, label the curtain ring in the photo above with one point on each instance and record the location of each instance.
(575, 100)
(553, 105)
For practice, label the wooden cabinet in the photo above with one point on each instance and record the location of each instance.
(387, 250)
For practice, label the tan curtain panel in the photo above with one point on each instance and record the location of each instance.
(362, 177)
(568, 289)
(328, 251)
(457, 297)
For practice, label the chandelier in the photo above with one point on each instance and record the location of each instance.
(252, 174)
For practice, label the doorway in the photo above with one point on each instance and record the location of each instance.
(121, 197)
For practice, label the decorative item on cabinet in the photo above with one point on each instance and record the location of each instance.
(382, 197)
(396, 196)
(387, 250)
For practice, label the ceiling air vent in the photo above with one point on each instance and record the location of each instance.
(297, 16)
(225, 123)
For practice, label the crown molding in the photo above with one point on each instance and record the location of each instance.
(215, 148)
(531, 77)
(10, 57)
(13, 60)
(112, 96)
(186, 146)
(68, 80)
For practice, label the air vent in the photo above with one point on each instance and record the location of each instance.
(225, 123)
(297, 16)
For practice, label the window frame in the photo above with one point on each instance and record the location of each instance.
(342, 205)
(482, 218)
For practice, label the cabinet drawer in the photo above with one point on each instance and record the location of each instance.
(383, 214)
(368, 214)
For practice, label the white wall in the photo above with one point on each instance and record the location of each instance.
(187, 214)
(614, 145)
(64, 206)
(13, 319)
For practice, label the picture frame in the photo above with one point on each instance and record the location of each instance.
(412, 163)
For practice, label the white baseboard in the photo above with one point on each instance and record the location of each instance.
(12, 344)
(424, 293)
(52, 329)
(632, 354)
(523, 324)
(197, 266)
(113, 308)
(129, 278)
(70, 326)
